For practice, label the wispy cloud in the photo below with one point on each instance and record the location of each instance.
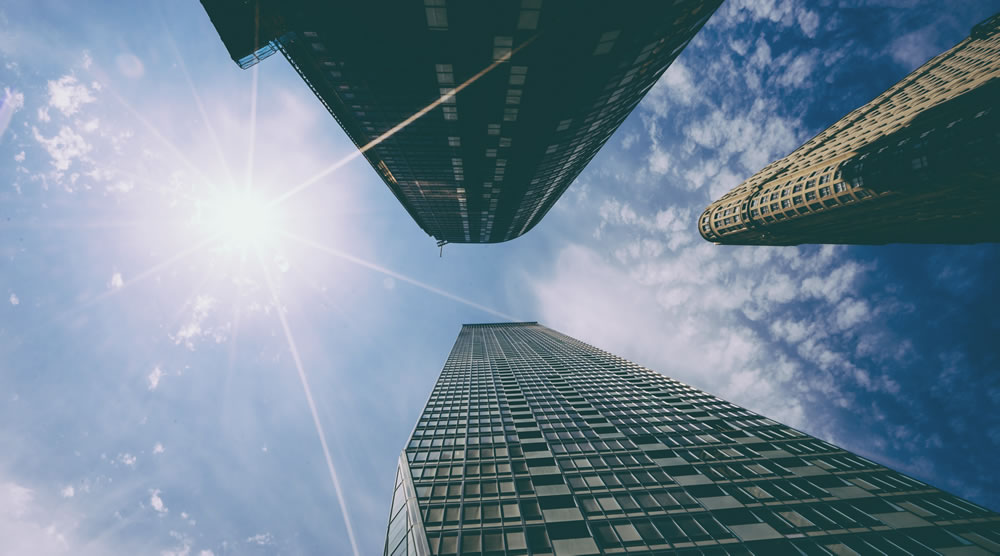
(67, 95)
(156, 502)
(154, 376)
(11, 102)
(64, 147)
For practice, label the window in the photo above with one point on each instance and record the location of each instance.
(437, 15)
(502, 47)
(518, 74)
(606, 43)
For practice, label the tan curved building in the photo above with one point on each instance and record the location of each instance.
(918, 164)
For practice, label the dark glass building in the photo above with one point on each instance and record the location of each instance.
(917, 164)
(526, 91)
(533, 442)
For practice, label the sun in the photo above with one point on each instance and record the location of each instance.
(241, 219)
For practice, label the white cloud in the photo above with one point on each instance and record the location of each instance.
(19, 157)
(629, 139)
(808, 21)
(739, 46)
(126, 459)
(677, 320)
(261, 539)
(755, 136)
(184, 546)
(116, 281)
(43, 114)
(834, 285)
(762, 54)
(659, 160)
(679, 82)
(26, 526)
(67, 95)
(120, 186)
(787, 13)
(156, 502)
(64, 147)
(158, 448)
(11, 102)
(68, 491)
(797, 69)
(851, 312)
(916, 47)
(154, 377)
(192, 329)
(676, 85)
(14, 300)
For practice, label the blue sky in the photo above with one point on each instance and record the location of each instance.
(150, 398)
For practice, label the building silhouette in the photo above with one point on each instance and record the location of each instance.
(918, 164)
(528, 90)
(533, 442)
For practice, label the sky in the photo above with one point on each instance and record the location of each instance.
(171, 387)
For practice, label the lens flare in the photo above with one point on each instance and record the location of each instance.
(241, 219)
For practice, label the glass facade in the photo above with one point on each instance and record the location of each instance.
(915, 165)
(533, 442)
(522, 93)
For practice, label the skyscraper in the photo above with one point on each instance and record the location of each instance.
(533, 442)
(526, 91)
(918, 164)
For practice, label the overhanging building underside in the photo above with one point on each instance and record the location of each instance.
(547, 84)
(918, 164)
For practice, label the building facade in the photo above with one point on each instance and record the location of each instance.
(918, 164)
(533, 442)
(522, 93)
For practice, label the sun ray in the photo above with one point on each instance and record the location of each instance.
(231, 357)
(197, 100)
(312, 405)
(156, 133)
(398, 127)
(151, 271)
(378, 268)
(78, 225)
(248, 176)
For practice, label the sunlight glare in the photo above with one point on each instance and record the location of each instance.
(241, 219)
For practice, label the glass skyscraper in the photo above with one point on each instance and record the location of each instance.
(515, 96)
(533, 442)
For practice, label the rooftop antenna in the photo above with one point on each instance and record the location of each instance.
(441, 244)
